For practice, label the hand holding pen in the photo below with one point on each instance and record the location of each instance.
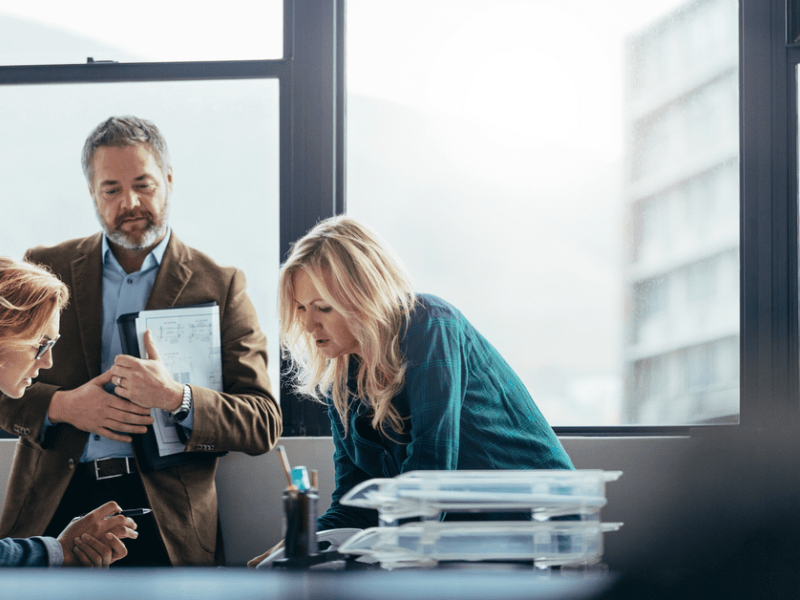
(131, 512)
(95, 539)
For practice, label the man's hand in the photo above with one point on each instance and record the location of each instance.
(94, 540)
(146, 382)
(90, 408)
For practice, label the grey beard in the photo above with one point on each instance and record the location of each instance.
(148, 238)
(151, 234)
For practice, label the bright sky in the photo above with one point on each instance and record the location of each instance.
(237, 28)
(542, 70)
(538, 69)
(166, 30)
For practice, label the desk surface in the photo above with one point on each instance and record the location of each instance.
(246, 584)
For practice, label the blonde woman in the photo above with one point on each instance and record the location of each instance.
(409, 382)
(31, 300)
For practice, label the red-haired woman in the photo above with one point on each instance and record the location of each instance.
(31, 299)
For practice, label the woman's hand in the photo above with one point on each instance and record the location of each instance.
(259, 559)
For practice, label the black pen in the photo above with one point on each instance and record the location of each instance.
(131, 512)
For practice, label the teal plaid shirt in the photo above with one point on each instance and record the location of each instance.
(464, 408)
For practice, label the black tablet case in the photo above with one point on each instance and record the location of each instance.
(145, 444)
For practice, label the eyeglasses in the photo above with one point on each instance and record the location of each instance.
(45, 347)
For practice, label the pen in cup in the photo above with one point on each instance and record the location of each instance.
(300, 478)
(299, 509)
(287, 470)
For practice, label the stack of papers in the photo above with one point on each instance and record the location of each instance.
(188, 342)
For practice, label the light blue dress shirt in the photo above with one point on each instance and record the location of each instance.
(122, 293)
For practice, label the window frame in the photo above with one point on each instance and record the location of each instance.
(311, 91)
(312, 83)
(770, 392)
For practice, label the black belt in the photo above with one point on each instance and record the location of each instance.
(107, 468)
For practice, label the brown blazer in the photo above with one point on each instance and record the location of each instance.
(245, 418)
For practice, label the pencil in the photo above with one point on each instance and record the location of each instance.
(286, 468)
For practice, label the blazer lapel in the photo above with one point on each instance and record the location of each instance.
(173, 275)
(87, 290)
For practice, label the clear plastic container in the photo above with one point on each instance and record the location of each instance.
(427, 543)
(427, 494)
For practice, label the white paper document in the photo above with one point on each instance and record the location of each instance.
(188, 342)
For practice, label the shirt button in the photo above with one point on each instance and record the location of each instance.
(71, 463)
(96, 438)
(130, 280)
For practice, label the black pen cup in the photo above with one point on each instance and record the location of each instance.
(300, 522)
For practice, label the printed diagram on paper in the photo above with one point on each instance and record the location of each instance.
(188, 342)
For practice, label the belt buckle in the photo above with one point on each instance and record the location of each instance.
(97, 469)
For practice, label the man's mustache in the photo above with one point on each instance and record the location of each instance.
(134, 215)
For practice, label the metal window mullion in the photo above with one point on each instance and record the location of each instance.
(142, 72)
(754, 176)
(792, 298)
(768, 251)
(309, 171)
(341, 107)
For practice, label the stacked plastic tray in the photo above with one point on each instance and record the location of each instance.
(564, 529)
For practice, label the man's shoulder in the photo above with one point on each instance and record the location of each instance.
(63, 252)
(199, 260)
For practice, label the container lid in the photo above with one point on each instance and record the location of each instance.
(419, 544)
(545, 493)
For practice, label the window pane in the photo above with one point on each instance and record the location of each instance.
(55, 32)
(223, 140)
(566, 174)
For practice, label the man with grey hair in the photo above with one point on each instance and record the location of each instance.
(76, 422)
(130, 136)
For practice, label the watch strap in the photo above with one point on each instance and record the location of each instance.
(180, 413)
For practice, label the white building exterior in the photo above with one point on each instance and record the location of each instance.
(681, 347)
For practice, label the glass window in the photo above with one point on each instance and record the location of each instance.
(566, 174)
(55, 32)
(223, 140)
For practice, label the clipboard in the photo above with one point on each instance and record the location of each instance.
(146, 444)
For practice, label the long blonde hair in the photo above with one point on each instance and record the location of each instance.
(357, 274)
(28, 296)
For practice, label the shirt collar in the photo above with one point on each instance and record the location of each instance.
(152, 260)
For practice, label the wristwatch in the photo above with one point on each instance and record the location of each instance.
(179, 414)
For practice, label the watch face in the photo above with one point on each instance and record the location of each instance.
(180, 415)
